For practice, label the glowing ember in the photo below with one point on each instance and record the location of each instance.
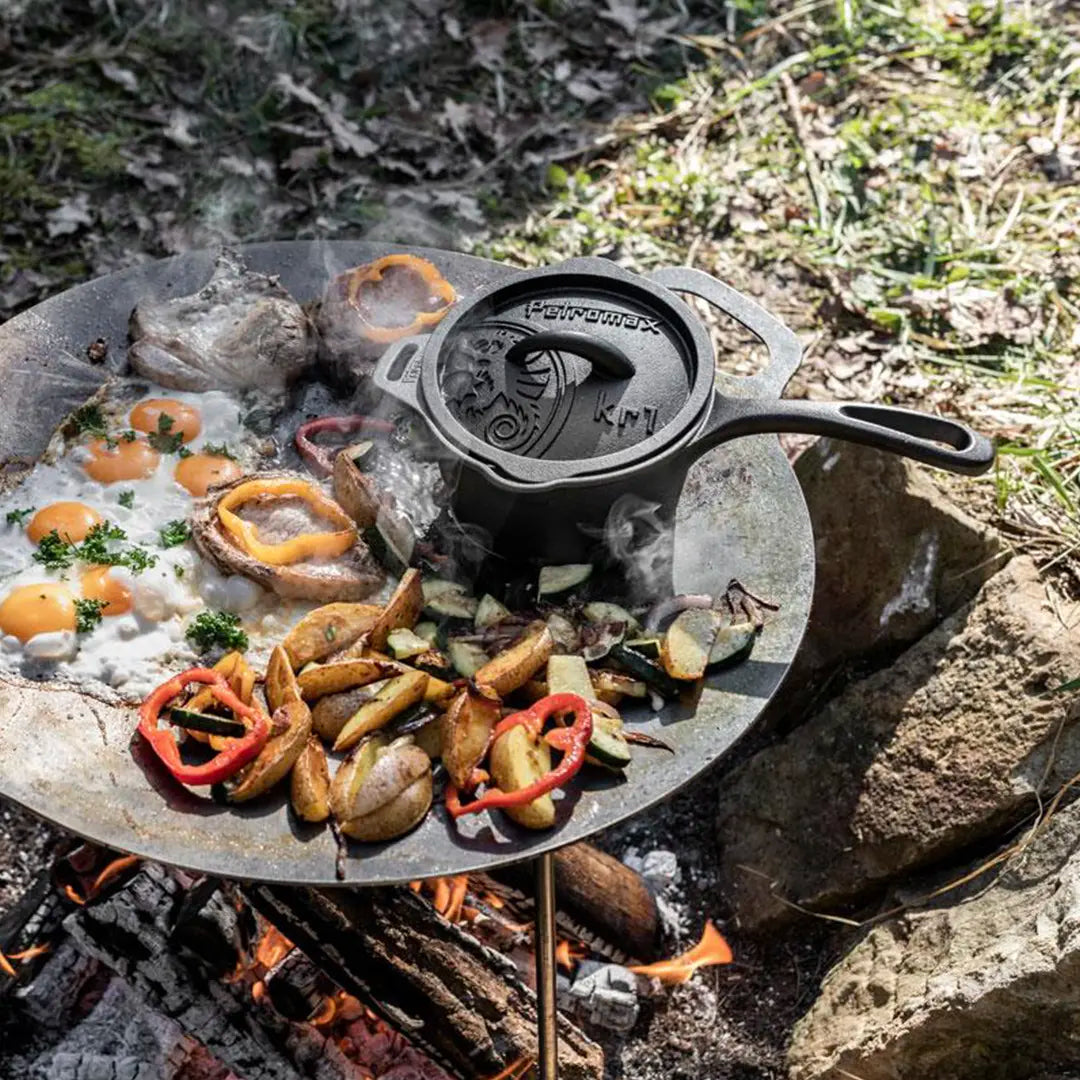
(273, 947)
(113, 870)
(568, 953)
(6, 968)
(711, 949)
(73, 896)
(516, 1070)
(29, 954)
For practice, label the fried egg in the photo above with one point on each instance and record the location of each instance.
(140, 478)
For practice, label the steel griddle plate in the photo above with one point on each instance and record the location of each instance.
(67, 758)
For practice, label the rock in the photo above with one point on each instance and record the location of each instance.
(986, 988)
(945, 748)
(894, 555)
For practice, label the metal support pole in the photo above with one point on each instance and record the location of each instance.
(544, 947)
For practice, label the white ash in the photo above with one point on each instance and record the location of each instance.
(661, 872)
(605, 995)
(24, 844)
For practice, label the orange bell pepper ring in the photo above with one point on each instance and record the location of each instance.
(354, 282)
(325, 545)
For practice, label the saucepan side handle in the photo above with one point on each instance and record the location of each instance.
(397, 372)
(932, 440)
(785, 351)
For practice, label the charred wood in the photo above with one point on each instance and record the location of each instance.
(601, 901)
(459, 1001)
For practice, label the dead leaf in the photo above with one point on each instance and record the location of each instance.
(489, 38)
(346, 135)
(121, 76)
(69, 217)
(178, 129)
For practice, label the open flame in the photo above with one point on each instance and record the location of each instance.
(711, 949)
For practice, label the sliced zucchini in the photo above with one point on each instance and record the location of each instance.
(207, 723)
(489, 612)
(733, 644)
(392, 541)
(466, 656)
(414, 718)
(559, 579)
(647, 646)
(429, 631)
(688, 642)
(569, 675)
(600, 611)
(607, 745)
(450, 599)
(404, 643)
(655, 677)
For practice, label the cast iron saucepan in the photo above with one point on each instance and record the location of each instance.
(559, 392)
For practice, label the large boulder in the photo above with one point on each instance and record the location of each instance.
(894, 555)
(945, 748)
(986, 988)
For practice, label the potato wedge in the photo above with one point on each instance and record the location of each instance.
(431, 738)
(328, 629)
(611, 686)
(516, 762)
(281, 686)
(437, 690)
(396, 696)
(309, 783)
(402, 609)
(353, 491)
(569, 675)
(382, 791)
(688, 642)
(331, 713)
(469, 722)
(276, 758)
(517, 665)
(333, 678)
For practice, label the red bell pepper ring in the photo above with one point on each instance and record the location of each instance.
(572, 741)
(223, 765)
(320, 459)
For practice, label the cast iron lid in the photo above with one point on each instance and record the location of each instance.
(579, 368)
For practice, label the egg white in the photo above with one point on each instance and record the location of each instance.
(136, 651)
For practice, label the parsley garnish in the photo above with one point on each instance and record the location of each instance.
(126, 498)
(178, 571)
(330, 632)
(219, 450)
(173, 533)
(88, 420)
(88, 614)
(184, 452)
(162, 440)
(128, 436)
(18, 517)
(54, 553)
(216, 628)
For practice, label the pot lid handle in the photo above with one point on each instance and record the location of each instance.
(606, 359)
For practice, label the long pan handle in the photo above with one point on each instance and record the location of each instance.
(932, 440)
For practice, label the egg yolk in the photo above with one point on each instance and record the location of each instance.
(146, 416)
(37, 609)
(200, 472)
(98, 584)
(132, 459)
(72, 520)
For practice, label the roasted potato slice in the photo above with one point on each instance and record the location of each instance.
(331, 713)
(397, 695)
(437, 690)
(517, 665)
(328, 629)
(276, 758)
(309, 787)
(402, 609)
(688, 643)
(353, 491)
(468, 725)
(281, 686)
(382, 791)
(517, 761)
(333, 678)
(611, 686)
